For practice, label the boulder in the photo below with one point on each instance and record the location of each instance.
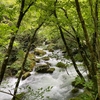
(37, 60)
(24, 76)
(39, 52)
(45, 58)
(61, 65)
(50, 70)
(75, 90)
(42, 68)
(31, 56)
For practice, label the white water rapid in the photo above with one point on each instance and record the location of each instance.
(59, 80)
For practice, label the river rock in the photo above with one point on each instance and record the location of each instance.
(39, 52)
(50, 70)
(37, 60)
(61, 65)
(45, 58)
(75, 90)
(31, 56)
(42, 68)
(24, 76)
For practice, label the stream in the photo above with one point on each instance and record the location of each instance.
(55, 86)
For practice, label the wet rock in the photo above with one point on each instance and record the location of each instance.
(50, 70)
(37, 60)
(75, 90)
(45, 58)
(48, 63)
(61, 65)
(31, 56)
(42, 68)
(24, 76)
(39, 52)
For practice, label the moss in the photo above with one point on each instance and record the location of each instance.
(39, 52)
(61, 65)
(50, 70)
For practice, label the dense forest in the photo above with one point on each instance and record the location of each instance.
(69, 25)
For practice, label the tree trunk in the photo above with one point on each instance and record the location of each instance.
(67, 48)
(98, 83)
(6, 58)
(23, 64)
(86, 63)
(93, 59)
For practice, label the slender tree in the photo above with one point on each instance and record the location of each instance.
(66, 45)
(93, 59)
(6, 58)
(25, 58)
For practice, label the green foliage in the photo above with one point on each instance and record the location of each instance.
(86, 96)
(89, 85)
(37, 94)
(79, 80)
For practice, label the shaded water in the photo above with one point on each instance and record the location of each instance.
(60, 81)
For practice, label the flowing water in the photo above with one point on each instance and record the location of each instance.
(59, 82)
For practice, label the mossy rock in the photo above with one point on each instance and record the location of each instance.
(45, 58)
(31, 56)
(32, 65)
(42, 68)
(75, 90)
(24, 76)
(61, 65)
(50, 70)
(39, 52)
